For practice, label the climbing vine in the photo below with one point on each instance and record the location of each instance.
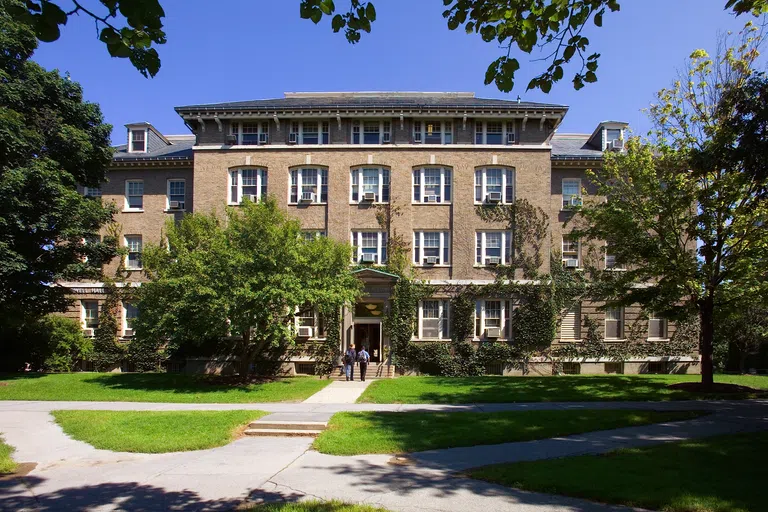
(327, 353)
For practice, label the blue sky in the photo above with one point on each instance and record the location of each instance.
(244, 49)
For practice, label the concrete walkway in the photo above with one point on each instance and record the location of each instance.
(72, 475)
(339, 392)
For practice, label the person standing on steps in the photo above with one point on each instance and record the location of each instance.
(363, 358)
(350, 356)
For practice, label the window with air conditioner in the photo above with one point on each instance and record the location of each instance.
(138, 141)
(310, 132)
(89, 314)
(175, 196)
(130, 313)
(134, 245)
(493, 247)
(310, 323)
(494, 185)
(492, 319)
(432, 185)
(369, 185)
(570, 250)
(308, 185)
(431, 248)
(570, 328)
(657, 327)
(495, 132)
(614, 323)
(369, 247)
(612, 134)
(433, 132)
(134, 196)
(433, 319)
(247, 183)
(371, 132)
(571, 193)
(250, 133)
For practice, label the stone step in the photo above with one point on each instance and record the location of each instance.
(289, 425)
(268, 432)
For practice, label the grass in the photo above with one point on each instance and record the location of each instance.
(154, 431)
(315, 506)
(567, 388)
(354, 433)
(716, 474)
(153, 387)
(7, 465)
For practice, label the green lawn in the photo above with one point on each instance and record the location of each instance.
(566, 388)
(716, 474)
(154, 431)
(354, 433)
(315, 506)
(153, 387)
(7, 465)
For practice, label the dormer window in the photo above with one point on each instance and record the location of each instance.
(138, 141)
(611, 135)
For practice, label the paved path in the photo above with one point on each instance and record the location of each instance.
(339, 392)
(72, 475)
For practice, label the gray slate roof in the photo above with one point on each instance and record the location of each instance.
(181, 149)
(574, 146)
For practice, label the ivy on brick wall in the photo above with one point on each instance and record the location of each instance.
(327, 353)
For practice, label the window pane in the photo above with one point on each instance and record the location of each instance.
(494, 132)
(447, 185)
(493, 180)
(492, 313)
(371, 132)
(309, 132)
(432, 133)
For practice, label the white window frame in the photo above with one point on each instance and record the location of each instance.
(297, 127)
(664, 327)
(615, 266)
(261, 183)
(505, 130)
(127, 207)
(127, 244)
(506, 174)
(168, 193)
(131, 140)
(125, 316)
(577, 181)
(569, 254)
(446, 185)
(356, 240)
(620, 321)
(92, 191)
(315, 315)
(419, 134)
(443, 319)
(444, 245)
(84, 313)
(322, 175)
(357, 128)
(505, 322)
(356, 180)
(507, 248)
(576, 310)
(236, 129)
(609, 140)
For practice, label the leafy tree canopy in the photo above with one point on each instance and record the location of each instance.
(50, 140)
(242, 279)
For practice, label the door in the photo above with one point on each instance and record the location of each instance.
(369, 336)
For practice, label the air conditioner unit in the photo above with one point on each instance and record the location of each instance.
(231, 140)
(493, 197)
(263, 138)
(88, 333)
(128, 333)
(252, 197)
(572, 263)
(616, 144)
(293, 138)
(492, 332)
(368, 258)
(577, 200)
(430, 199)
(430, 260)
(174, 205)
(305, 332)
(307, 197)
(493, 260)
(369, 196)
(386, 138)
(510, 137)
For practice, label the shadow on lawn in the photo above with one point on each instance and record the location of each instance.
(15, 495)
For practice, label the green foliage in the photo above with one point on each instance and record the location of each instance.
(63, 343)
(50, 141)
(240, 281)
(108, 353)
(745, 329)
(327, 353)
(146, 355)
(400, 321)
(462, 313)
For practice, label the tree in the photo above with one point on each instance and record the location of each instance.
(242, 279)
(522, 24)
(745, 329)
(685, 213)
(50, 141)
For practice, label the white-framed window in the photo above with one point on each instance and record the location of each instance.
(138, 141)
(570, 328)
(571, 193)
(610, 259)
(92, 191)
(495, 132)
(368, 245)
(493, 247)
(89, 314)
(433, 319)
(433, 132)
(369, 180)
(310, 317)
(492, 314)
(134, 245)
(312, 234)
(657, 327)
(134, 195)
(371, 132)
(176, 194)
(570, 250)
(310, 132)
(308, 185)
(612, 134)
(250, 133)
(495, 185)
(431, 248)
(130, 312)
(614, 323)
(432, 185)
(251, 183)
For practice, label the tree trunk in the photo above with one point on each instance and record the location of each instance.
(707, 317)
(244, 363)
(742, 362)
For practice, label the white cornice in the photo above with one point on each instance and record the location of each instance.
(368, 147)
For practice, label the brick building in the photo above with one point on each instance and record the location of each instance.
(330, 158)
